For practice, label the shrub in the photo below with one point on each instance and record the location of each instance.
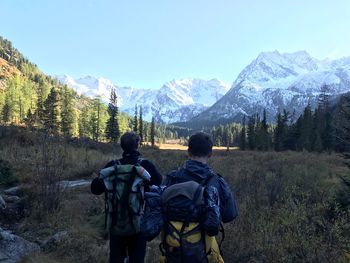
(7, 177)
(46, 188)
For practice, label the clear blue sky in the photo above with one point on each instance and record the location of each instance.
(145, 43)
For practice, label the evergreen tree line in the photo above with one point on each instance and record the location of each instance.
(226, 135)
(253, 133)
(325, 128)
(39, 101)
(59, 110)
(157, 132)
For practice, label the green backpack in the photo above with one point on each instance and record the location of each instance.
(124, 197)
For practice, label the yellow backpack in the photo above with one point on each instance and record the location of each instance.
(192, 236)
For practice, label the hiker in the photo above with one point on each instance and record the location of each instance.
(123, 225)
(183, 238)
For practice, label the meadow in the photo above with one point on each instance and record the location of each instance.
(288, 208)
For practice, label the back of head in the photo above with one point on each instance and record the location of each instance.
(130, 141)
(200, 144)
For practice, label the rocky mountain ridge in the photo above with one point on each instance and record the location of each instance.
(176, 100)
(275, 81)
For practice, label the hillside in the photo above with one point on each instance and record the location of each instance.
(7, 71)
(29, 97)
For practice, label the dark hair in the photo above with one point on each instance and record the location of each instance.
(129, 141)
(200, 144)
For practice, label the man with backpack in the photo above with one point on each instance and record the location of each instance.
(123, 182)
(195, 201)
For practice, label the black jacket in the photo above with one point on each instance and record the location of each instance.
(97, 185)
(203, 174)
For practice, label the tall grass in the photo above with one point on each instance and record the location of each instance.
(287, 204)
(287, 208)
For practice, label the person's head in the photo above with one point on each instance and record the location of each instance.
(200, 146)
(129, 141)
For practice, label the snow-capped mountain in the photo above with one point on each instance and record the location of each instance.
(275, 81)
(175, 101)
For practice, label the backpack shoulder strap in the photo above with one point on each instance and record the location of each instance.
(172, 177)
(218, 175)
(222, 231)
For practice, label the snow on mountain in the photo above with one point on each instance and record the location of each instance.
(175, 101)
(275, 81)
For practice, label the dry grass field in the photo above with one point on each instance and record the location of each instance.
(173, 146)
(287, 203)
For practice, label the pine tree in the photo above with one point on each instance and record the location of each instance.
(264, 130)
(328, 136)
(67, 112)
(12, 99)
(251, 133)
(325, 119)
(280, 131)
(98, 117)
(343, 130)
(94, 126)
(42, 92)
(342, 124)
(84, 123)
(135, 126)
(243, 136)
(112, 128)
(152, 131)
(141, 126)
(52, 113)
(6, 113)
(317, 145)
(40, 108)
(30, 119)
(228, 137)
(95, 118)
(293, 135)
(306, 128)
(27, 98)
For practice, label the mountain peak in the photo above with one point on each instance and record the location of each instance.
(275, 81)
(273, 66)
(303, 60)
(269, 55)
(177, 100)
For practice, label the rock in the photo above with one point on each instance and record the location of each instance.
(13, 211)
(11, 198)
(2, 203)
(13, 248)
(53, 241)
(13, 190)
(73, 184)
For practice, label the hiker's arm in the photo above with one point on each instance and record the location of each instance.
(109, 164)
(97, 186)
(156, 177)
(228, 204)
